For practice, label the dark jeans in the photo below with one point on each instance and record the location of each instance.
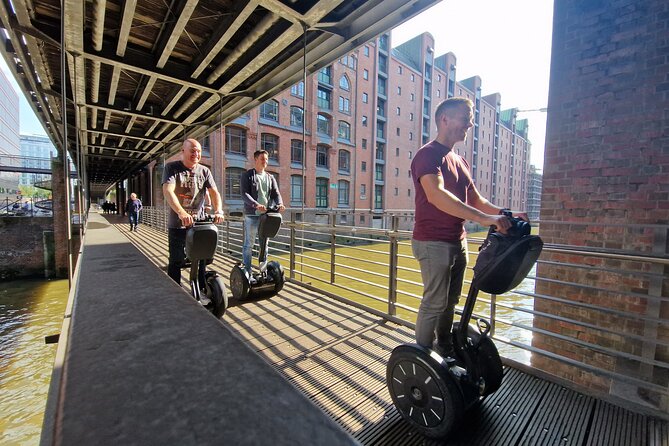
(177, 246)
(133, 217)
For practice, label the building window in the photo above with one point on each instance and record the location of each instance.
(413, 78)
(410, 136)
(322, 192)
(397, 191)
(233, 183)
(365, 74)
(366, 51)
(270, 143)
(296, 116)
(206, 146)
(398, 131)
(399, 91)
(410, 116)
(343, 187)
(399, 69)
(235, 140)
(296, 195)
(323, 125)
(324, 99)
(438, 93)
(364, 144)
(363, 166)
(378, 197)
(364, 121)
(297, 89)
(398, 111)
(325, 75)
(270, 110)
(382, 86)
(378, 172)
(322, 155)
(365, 98)
(344, 161)
(438, 77)
(344, 131)
(296, 152)
(363, 191)
(397, 151)
(380, 130)
(410, 154)
(344, 105)
(344, 84)
(413, 97)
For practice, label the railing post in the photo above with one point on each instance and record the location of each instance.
(493, 313)
(392, 267)
(292, 245)
(333, 241)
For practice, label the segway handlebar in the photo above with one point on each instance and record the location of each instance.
(519, 227)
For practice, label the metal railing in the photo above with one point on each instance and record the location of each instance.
(26, 207)
(598, 313)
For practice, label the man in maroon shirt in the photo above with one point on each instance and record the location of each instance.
(446, 197)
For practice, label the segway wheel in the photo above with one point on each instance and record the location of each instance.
(217, 293)
(239, 283)
(423, 391)
(486, 358)
(275, 271)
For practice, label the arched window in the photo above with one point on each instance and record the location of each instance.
(296, 116)
(270, 143)
(323, 124)
(296, 152)
(343, 192)
(344, 162)
(344, 84)
(235, 140)
(270, 110)
(322, 155)
(344, 130)
(296, 195)
(233, 183)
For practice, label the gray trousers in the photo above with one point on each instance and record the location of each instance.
(442, 267)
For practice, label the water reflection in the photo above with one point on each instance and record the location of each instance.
(29, 311)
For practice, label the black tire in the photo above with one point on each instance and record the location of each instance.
(486, 358)
(275, 271)
(239, 283)
(217, 293)
(423, 391)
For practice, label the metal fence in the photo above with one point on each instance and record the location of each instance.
(600, 315)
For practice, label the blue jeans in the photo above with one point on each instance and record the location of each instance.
(251, 223)
(442, 268)
(133, 217)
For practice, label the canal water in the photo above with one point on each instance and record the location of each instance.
(29, 311)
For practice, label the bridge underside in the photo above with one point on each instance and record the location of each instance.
(137, 75)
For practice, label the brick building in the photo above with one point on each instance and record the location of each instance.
(365, 116)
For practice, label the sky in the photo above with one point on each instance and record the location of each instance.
(506, 43)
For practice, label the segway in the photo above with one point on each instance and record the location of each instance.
(432, 393)
(201, 240)
(269, 280)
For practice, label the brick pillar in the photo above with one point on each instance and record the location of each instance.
(59, 200)
(607, 163)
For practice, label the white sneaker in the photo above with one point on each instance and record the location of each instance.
(204, 300)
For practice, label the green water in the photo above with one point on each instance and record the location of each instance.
(29, 311)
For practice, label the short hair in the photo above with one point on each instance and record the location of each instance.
(257, 153)
(450, 104)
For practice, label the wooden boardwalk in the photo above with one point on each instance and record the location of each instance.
(336, 355)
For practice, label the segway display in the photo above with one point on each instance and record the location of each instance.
(201, 240)
(432, 393)
(268, 281)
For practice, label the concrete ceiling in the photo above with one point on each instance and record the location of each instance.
(141, 74)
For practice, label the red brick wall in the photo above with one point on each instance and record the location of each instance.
(607, 162)
(22, 251)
